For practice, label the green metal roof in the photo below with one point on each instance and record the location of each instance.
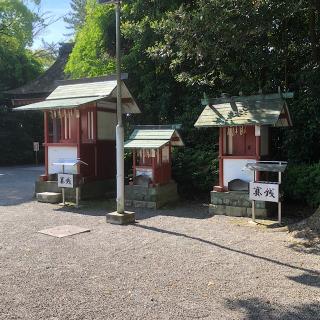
(262, 110)
(58, 104)
(74, 93)
(145, 144)
(91, 89)
(147, 138)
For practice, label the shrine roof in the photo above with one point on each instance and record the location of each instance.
(46, 82)
(269, 109)
(74, 93)
(153, 137)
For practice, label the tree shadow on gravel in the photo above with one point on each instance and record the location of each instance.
(211, 243)
(191, 210)
(308, 279)
(255, 308)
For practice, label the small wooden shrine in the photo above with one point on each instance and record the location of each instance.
(79, 123)
(152, 184)
(244, 124)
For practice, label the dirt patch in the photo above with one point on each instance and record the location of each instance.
(307, 231)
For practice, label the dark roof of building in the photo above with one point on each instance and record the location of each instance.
(270, 109)
(46, 82)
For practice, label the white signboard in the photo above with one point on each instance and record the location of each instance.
(65, 180)
(264, 191)
(36, 146)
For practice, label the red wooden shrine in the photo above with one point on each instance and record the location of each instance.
(80, 122)
(244, 131)
(152, 152)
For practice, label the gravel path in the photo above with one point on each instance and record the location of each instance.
(176, 263)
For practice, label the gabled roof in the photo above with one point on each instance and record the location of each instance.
(153, 137)
(269, 109)
(46, 82)
(74, 93)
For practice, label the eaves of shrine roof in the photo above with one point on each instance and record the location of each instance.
(269, 109)
(146, 138)
(74, 93)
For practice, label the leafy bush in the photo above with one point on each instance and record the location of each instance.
(302, 183)
(195, 170)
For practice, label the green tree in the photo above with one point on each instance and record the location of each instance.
(76, 17)
(89, 56)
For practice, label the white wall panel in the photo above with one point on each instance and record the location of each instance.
(106, 125)
(234, 169)
(58, 153)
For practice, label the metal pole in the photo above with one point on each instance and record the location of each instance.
(253, 201)
(77, 196)
(279, 204)
(119, 128)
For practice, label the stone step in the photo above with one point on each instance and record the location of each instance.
(49, 197)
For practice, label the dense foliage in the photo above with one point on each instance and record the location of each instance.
(302, 183)
(18, 65)
(175, 51)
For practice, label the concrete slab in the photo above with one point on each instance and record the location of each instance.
(64, 231)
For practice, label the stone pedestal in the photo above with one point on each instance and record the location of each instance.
(90, 190)
(238, 204)
(117, 218)
(151, 197)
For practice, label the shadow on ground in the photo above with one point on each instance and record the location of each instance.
(191, 210)
(256, 308)
(221, 246)
(308, 279)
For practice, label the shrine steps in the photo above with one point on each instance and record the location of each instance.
(90, 190)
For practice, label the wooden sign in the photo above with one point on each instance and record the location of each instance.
(65, 180)
(264, 191)
(36, 146)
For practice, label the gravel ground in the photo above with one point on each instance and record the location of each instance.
(176, 263)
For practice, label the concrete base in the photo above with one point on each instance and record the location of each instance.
(117, 218)
(91, 190)
(138, 196)
(49, 197)
(238, 204)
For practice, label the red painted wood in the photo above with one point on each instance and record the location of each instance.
(221, 143)
(238, 157)
(46, 139)
(134, 162)
(244, 145)
(62, 144)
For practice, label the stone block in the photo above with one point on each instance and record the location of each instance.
(121, 219)
(49, 197)
(260, 213)
(236, 211)
(217, 209)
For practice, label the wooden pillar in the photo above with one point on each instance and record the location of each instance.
(221, 151)
(134, 162)
(154, 167)
(258, 152)
(46, 141)
(78, 117)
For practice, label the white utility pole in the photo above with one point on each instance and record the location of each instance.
(119, 128)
